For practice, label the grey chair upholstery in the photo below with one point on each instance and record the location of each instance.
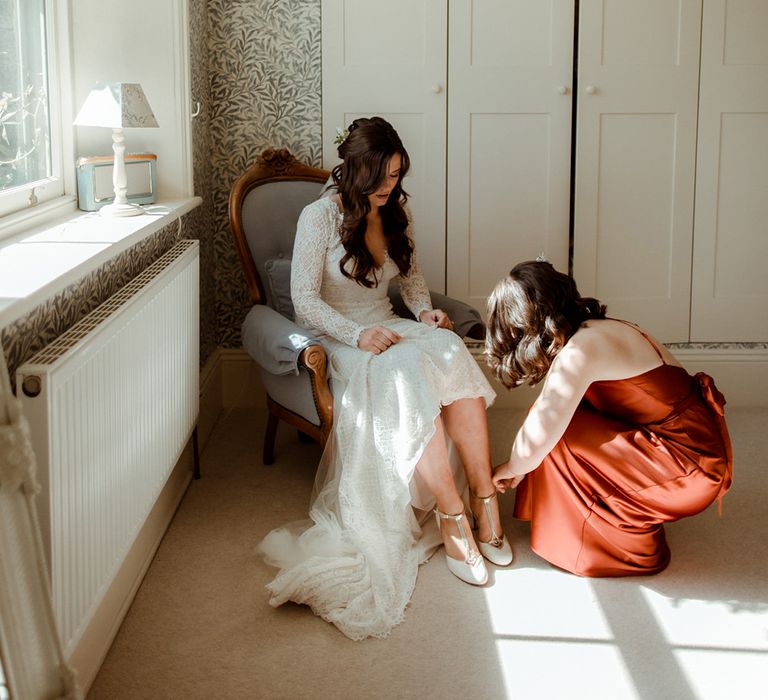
(264, 206)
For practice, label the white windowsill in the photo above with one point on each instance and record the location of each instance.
(39, 263)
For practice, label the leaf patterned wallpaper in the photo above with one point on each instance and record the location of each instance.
(264, 69)
(256, 69)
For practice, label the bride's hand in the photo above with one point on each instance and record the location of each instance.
(437, 318)
(504, 479)
(377, 339)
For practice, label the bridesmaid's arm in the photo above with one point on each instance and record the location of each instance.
(569, 376)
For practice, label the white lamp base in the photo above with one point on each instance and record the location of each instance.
(121, 210)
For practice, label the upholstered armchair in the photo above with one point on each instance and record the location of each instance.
(264, 207)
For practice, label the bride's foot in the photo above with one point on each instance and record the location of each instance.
(491, 539)
(461, 556)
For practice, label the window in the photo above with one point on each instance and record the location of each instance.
(30, 128)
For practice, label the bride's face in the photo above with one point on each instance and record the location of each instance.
(381, 195)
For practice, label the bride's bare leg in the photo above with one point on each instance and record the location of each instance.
(435, 469)
(467, 425)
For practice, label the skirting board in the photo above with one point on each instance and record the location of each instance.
(741, 375)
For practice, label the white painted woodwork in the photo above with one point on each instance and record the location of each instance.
(636, 159)
(390, 60)
(481, 93)
(510, 67)
(730, 282)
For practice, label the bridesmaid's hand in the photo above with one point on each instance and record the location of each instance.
(504, 479)
(377, 339)
(437, 318)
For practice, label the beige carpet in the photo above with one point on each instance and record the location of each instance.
(201, 627)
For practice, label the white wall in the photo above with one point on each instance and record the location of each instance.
(146, 42)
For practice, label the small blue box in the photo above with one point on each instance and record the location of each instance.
(94, 180)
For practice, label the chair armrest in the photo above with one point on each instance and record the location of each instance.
(467, 320)
(315, 360)
(274, 341)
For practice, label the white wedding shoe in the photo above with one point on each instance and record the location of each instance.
(472, 568)
(497, 550)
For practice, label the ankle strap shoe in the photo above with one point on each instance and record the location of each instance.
(496, 550)
(472, 569)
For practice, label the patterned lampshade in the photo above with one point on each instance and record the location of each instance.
(116, 105)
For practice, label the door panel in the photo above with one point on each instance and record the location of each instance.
(390, 60)
(636, 159)
(730, 284)
(635, 232)
(509, 133)
(507, 177)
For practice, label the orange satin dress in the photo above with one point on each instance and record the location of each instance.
(639, 452)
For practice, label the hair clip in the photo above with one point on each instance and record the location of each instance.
(341, 136)
(541, 257)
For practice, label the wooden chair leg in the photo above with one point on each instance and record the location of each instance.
(269, 439)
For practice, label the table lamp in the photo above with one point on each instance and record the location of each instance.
(117, 106)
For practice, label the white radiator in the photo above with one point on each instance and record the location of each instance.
(111, 404)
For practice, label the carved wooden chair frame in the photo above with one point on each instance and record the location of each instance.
(275, 165)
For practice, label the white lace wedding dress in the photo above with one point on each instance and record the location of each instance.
(355, 562)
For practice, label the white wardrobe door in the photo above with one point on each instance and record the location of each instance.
(730, 282)
(510, 66)
(636, 159)
(390, 60)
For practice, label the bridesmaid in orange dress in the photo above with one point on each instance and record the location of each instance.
(621, 438)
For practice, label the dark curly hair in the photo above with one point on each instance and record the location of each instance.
(365, 155)
(532, 313)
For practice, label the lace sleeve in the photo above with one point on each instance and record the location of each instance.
(313, 231)
(413, 287)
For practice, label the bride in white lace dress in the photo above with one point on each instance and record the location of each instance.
(401, 389)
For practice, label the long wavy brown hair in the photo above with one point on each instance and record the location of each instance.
(532, 314)
(365, 155)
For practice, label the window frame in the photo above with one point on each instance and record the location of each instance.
(56, 193)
